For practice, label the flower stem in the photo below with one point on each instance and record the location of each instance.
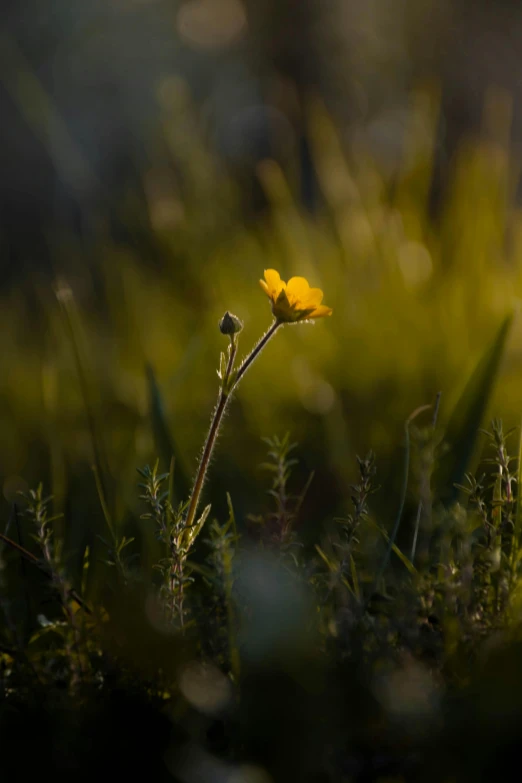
(256, 350)
(224, 396)
(205, 458)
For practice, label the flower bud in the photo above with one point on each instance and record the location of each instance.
(230, 324)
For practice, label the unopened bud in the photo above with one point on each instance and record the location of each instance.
(230, 324)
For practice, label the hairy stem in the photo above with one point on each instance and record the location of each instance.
(256, 350)
(224, 396)
(205, 459)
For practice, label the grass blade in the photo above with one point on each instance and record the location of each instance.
(163, 440)
(391, 541)
(71, 320)
(518, 512)
(463, 427)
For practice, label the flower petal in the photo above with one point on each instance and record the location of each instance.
(321, 311)
(264, 287)
(314, 298)
(274, 282)
(297, 289)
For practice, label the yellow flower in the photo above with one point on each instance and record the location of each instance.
(295, 300)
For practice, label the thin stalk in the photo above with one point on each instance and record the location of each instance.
(67, 309)
(205, 458)
(416, 531)
(404, 490)
(426, 478)
(103, 503)
(224, 396)
(231, 356)
(233, 650)
(108, 520)
(35, 561)
(518, 513)
(256, 350)
(63, 591)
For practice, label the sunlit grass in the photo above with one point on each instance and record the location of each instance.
(416, 299)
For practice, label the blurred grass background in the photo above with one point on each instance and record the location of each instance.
(170, 152)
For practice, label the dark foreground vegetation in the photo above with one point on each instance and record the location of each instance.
(252, 657)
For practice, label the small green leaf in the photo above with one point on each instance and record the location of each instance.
(195, 530)
(395, 549)
(222, 366)
(331, 566)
